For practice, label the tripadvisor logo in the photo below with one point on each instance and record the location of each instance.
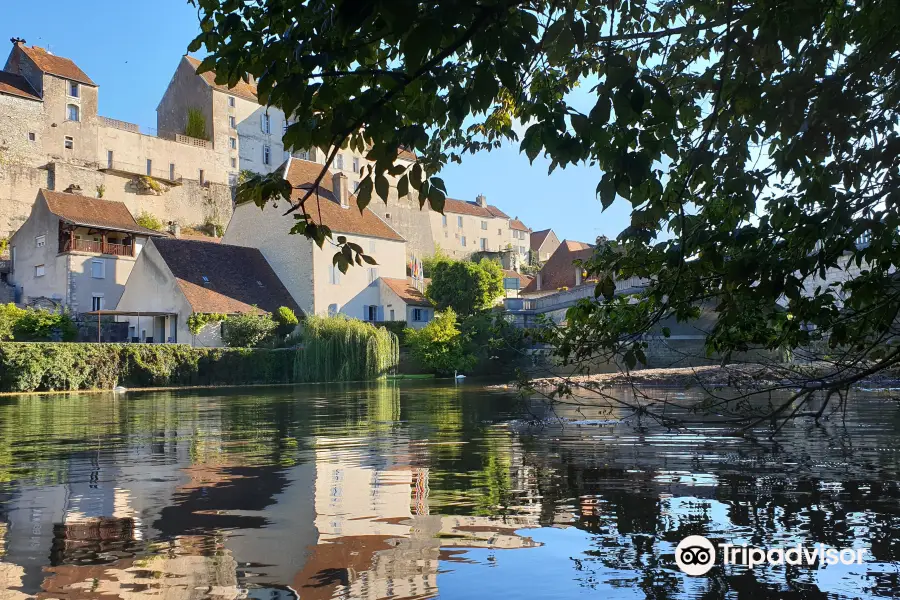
(695, 555)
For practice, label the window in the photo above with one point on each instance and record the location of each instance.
(372, 245)
(355, 186)
(303, 155)
(373, 274)
(109, 159)
(387, 215)
(444, 220)
(232, 122)
(267, 155)
(521, 249)
(355, 164)
(72, 112)
(31, 136)
(417, 314)
(149, 167)
(98, 268)
(484, 243)
(201, 177)
(284, 127)
(231, 101)
(372, 313)
(484, 225)
(38, 270)
(499, 232)
(459, 222)
(463, 241)
(171, 171)
(332, 310)
(334, 275)
(266, 123)
(74, 89)
(40, 241)
(69, 142)
(233, 163)
(339, 162)
(233, 143)
(97, 302)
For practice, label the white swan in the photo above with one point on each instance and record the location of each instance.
(457, 376)
(119, 389)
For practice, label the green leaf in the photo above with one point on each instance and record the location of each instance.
(382, 187)
(364, 193)
(606, 191)
(403, 186)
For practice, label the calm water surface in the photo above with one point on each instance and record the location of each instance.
(421, 491)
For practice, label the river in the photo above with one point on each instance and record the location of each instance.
(421, 490)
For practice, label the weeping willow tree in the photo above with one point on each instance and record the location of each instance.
(342, 349)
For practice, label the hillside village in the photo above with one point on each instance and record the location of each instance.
(77, 191)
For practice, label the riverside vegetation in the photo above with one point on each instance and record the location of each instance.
(325, 350)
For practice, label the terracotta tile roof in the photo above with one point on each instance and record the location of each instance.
(93, 212)
(56, 65)
(242, 88)
(538, 237)
(559, 271)
(406, 291)
(461, 207)
(517, 224)
(405, 154)
(239, 279)
(16, 85)
(524, 280)
(328, 211)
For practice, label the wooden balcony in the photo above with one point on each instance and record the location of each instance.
(70, 245)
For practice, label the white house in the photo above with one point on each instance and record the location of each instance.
(402, 301)
(307, 271)
(75, 252)
(174, 278)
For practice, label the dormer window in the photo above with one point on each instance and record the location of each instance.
(74, 89)
(73, 113)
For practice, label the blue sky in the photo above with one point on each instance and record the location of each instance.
(131, 48)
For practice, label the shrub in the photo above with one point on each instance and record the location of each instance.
(497, 345)
(9, 316)
(149, 221)
(44, 326)
(286, 321)
(440, 345)
(195, 126)
(148, 183)
(248, 330)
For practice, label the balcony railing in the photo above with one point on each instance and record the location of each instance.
(77, 245)
(117, 124)
(165, 175)
(186, 139)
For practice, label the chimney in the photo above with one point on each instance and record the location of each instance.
(481, 200)
(577, 275)
(341, 189)
(17, 41)
(73, 189)
(540, 281)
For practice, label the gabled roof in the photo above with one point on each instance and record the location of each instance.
(517, 224)
(327, 210)
(55, 65)
(559, 270)
(242, 89)
(406, 291)
(538, 237)
(238, 279)
(93, 212)
(16, 85)
(462, 207)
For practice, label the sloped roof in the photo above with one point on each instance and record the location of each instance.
(406, 291)
(239, 279)
(462, 207)
(327, 210)
(538, 237)
(517, 224)
(93, 212)
(242, 88)
(559, 270)
(56, 65)
(16, 85)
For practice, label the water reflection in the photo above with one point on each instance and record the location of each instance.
(387, 491)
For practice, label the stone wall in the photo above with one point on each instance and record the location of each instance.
(407, 219)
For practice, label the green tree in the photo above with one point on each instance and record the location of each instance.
(248, 330)
(44, 326)
(9, 316)
(195, 126)
(464, 286)
(754, 140)
(440, 345)
(286, 320)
